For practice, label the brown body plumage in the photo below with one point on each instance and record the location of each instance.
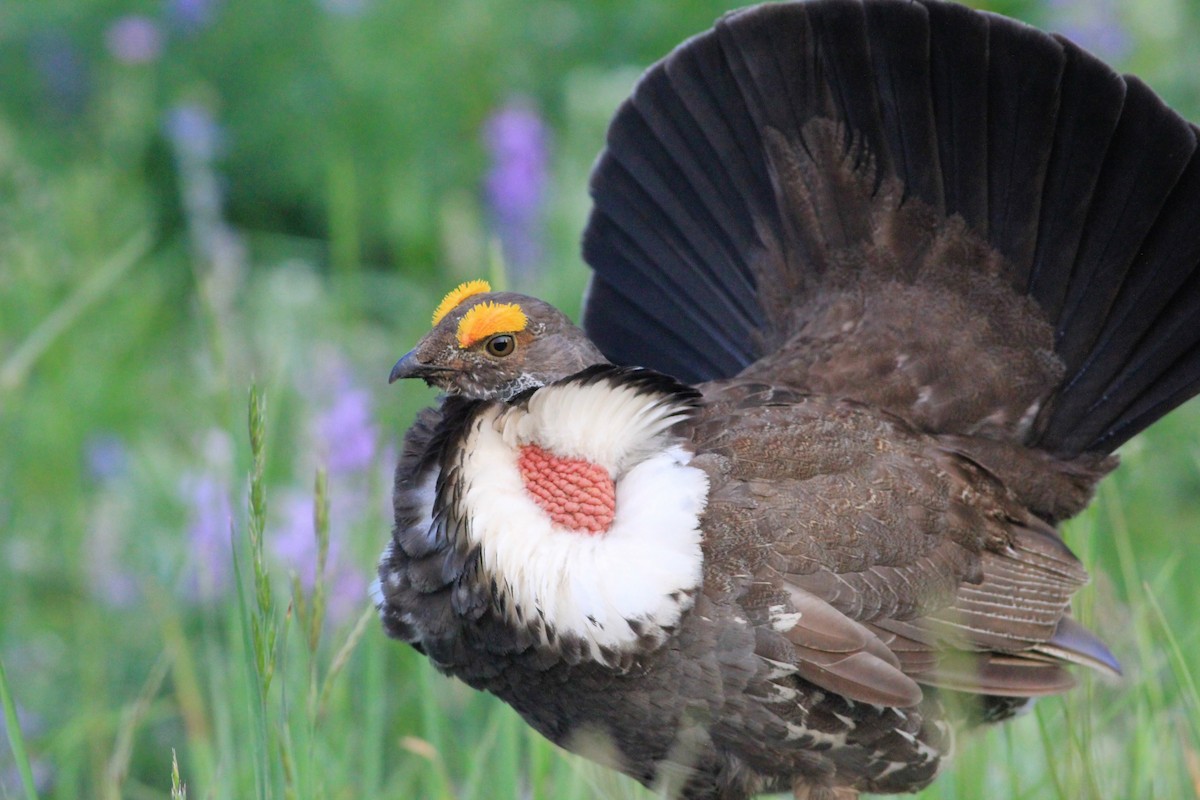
(916, 310)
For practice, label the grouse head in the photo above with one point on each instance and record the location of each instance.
(489, 345)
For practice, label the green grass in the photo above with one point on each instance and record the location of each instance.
(16, 738)
(140, 661)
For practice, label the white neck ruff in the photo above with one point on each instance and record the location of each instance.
(590, 586)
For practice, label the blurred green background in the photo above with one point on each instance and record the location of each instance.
(201, 195)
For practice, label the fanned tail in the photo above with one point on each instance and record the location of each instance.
(779, 190)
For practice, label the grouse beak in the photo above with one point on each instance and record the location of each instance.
(411, 366)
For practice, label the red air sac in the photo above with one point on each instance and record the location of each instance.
(576, 494)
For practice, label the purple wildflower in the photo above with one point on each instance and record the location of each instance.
(105, 457)
(343, 427)
(515, 187)
(134, 39)
(62, 71)
(347, 594)
(43, 779)
(345, 430)
(208, 535)
(197, 140)
(194, 132)
(346, 439)
(191, 16)
(294, 538)
(293, 542)
(110, 580)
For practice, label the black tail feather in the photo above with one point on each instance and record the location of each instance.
(639, 335)
(1162, 373)
(1092, 97)
(1134, 184)
(1024, 70)
(1181, 385)
(958, 57)
(1150, 327)
(1083, 180)
(905, 102)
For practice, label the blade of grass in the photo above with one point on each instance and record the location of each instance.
(433, 729)
(1192, 761)
(178, 788)
(374, 752)
(1131, 574)
(423, 749)
(118, 762)
(321, 526)
(18, 364)
(284, 730)
(185, 680)
(1014, 775)
(509, 761)
(1050, 749)
(1078, 733)
(311, 608)
(287, 761)
(258, 703)
(342, 657)
(1183, 672)
(486, 762)
(16, 739)
(1152, 698)
(264, 627)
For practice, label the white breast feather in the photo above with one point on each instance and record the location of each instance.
(611, 425)
(586, 585)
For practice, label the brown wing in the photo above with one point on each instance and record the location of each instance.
(871, 559)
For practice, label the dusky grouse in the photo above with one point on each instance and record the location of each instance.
(878, 288)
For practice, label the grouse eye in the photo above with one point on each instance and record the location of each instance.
(501, 345)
